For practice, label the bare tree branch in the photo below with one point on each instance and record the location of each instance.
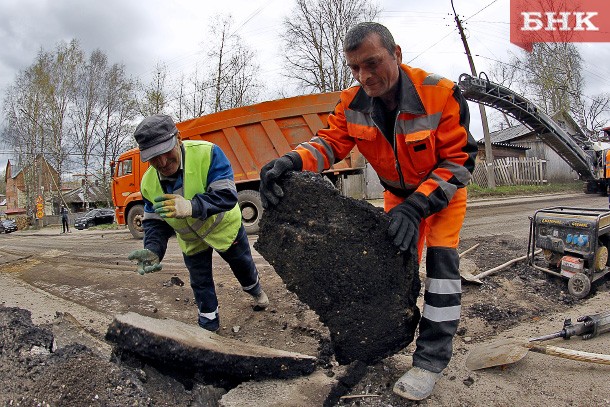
(313, 39)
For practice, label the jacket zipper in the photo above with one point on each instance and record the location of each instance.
(394, 148)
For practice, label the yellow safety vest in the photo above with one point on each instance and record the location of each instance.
(195, 235)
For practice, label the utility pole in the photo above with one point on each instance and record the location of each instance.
(489, 158)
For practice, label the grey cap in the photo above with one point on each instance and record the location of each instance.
(155, 135)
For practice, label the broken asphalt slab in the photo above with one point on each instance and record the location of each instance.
(333, 252)
(191, 348)
(67, 330)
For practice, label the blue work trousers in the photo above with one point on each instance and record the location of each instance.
(199, 266)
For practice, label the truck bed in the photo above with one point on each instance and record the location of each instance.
(253, 135)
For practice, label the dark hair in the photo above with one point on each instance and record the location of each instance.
(357, 34)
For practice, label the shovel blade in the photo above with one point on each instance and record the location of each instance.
(497, 353)
(467, 269)
(469, 277)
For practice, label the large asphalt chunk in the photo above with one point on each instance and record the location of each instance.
(191, 348)
(333, 252)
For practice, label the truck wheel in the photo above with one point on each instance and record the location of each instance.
(579, 285)
(591, 187)
(251, 209)
(134, 221)
(603, 188)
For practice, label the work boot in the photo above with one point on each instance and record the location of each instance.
(212, 325)
(262, 301)
(416, 384)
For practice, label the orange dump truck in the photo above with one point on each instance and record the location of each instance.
(250, 136)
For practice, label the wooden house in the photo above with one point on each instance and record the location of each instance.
(24, 185)
(557, 169)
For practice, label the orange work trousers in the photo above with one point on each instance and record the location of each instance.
(441, 229)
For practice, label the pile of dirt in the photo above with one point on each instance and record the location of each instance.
(333, 252)
(512, 295)
(34, 373)
(72, 376)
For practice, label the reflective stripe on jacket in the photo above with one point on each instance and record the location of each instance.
(194, 234)
(433, 152)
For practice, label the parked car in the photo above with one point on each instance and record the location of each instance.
(9, 226)
(94, 217)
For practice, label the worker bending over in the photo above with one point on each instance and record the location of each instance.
(189, 190)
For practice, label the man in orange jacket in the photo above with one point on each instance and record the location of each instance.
(412, 127)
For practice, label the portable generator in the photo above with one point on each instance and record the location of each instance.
(574, 242)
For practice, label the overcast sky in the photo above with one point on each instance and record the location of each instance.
(142, 33)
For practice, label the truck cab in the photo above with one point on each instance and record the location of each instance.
(129, 208)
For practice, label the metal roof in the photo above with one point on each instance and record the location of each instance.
(509, 134)
(506, 145)
(94, 194)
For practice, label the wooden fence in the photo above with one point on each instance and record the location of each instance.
(513, 171)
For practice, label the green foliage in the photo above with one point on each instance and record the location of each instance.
(476, 191)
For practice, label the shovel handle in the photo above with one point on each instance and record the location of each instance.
(501, 266)
(571, 354)
(468, 250)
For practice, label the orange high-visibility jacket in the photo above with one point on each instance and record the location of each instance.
(433, 153)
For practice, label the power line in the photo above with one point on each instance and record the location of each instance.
(448, 34)
(494, 1)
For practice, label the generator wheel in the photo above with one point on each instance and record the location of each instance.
(579, 285)
(601, 258)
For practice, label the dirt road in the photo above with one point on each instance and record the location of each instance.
(86, 274)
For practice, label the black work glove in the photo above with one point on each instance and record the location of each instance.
(404, 226)
(270, 191)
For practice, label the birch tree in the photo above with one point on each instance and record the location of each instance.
(64, 67)
(155, 95)
(67, 105)
(593, 114)
(24, 109)
(551, 76)
(87, 113)
(114, 131)
(233, 73)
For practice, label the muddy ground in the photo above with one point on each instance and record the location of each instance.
(86, 274)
